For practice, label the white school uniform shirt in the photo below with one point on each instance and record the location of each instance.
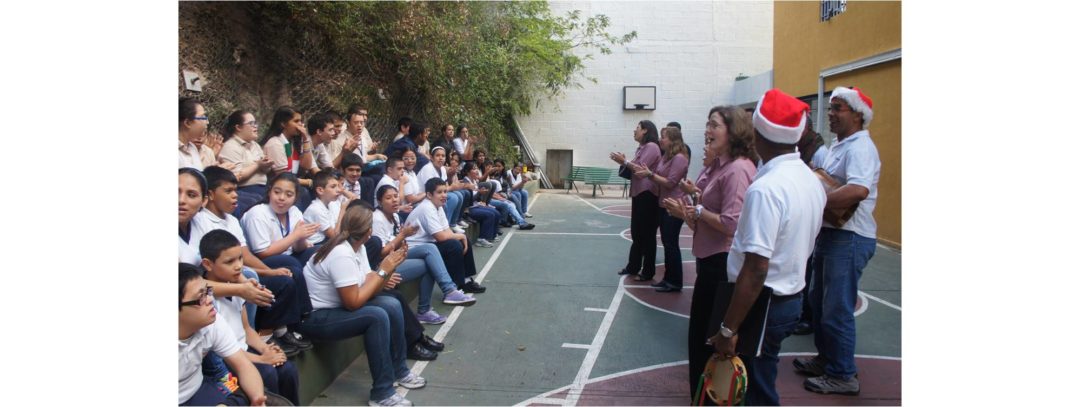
(513, 180)
(205, 221)
(431, 220)
(189, 156)
(343, 267)
(855, 161)
(382, 227)
(322, 156)
(460, 145)
(262, 228)
(780, 219)
(189, 253)
(230, 313)
(386, 180)
(215, 337)
(413, 187)
(325, 215)
(429, 172)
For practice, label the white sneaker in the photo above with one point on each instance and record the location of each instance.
(394, 400)
(527, 215)
(411, 381)
(463, 224)
(482, 243)
(458, 229)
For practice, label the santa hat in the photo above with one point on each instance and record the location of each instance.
(857, 100)
(780, 118)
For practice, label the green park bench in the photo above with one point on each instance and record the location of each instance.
(596, 177)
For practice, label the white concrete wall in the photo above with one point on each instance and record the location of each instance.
(691, 51)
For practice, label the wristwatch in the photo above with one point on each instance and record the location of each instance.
(697, 210)
(382, 274)
(726, 332)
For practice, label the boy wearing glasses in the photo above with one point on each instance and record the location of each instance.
(198, 334)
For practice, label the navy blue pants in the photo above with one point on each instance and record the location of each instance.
(459, 266)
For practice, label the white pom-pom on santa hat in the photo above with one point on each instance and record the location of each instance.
(780, 118)
(857, 100)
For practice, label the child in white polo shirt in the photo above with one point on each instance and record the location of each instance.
(326, 209)
(199, 334)
(285, 310)
(223, 261)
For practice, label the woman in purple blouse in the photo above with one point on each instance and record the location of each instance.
(644, 203)
(671, 170)
(713, 213)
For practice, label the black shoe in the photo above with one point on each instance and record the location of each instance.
(668, 288)
(432, 344)
(624, 272)
(803, 328)
(419, 352)
(289, 349)
(294, 339)
(472, 287)
(642, 277)
(659, 284)
(527, 226)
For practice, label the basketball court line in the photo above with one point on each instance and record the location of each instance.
(576, 346)
(546, 398)
(886, 303)
(419, 366)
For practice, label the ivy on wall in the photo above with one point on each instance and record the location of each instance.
(472, 63)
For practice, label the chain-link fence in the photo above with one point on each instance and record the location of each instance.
(240, 69)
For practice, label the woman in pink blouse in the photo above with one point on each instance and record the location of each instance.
(644, 203)
(672, 168)
(713, 213)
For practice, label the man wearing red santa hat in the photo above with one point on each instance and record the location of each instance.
(842, 251)
(781, 215)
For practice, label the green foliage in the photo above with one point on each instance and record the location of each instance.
(477, 63)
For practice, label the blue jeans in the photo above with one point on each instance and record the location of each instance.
(425, 262)
(670, 227)
(783, 316)
(381, 323)
(508, 208)
(521, 199)
(488, 219)
(838, 261)
(453, 207)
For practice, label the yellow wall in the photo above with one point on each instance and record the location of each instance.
(804, 46)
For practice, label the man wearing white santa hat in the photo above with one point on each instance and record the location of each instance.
(781, 215)
(842, 251)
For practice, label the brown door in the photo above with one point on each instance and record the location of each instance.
(557, 166)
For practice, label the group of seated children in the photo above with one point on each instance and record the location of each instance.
(297, 261)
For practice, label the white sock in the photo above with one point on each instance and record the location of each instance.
(265, 338)
(280, 332)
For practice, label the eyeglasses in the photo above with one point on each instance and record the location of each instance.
(203, 118)
(711, 125)
(838, 108)
(209, 294)
(252, 124)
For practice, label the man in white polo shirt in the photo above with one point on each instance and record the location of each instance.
(434, 228)
(843, 251)
(780, 217)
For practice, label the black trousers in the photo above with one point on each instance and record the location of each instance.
(459, 266)
(644, 220)
(711, 271)
(670, 227)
